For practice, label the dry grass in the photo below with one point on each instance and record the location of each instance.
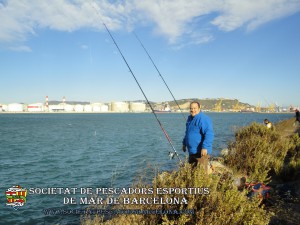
(258, 152)
(287, 127)
(224, 204)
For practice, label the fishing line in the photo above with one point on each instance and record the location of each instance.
(160, 75)
(171, 154)
(160, 124)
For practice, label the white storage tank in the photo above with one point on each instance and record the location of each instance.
(56, 108)
(88, 108)
(96, 107)
(35, 107)
(119, 107)
(78, 108)
(99, 107)
(4, 108)
(137, 107)
(69, 108)
(104, 108)
(15, 107)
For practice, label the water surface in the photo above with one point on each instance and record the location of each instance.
(92, 150)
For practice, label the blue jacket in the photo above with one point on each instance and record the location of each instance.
(199, 134)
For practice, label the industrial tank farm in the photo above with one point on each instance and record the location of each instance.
(119, 107)
(15, 107)
(64, 107)
(137, 107)
(35, 107)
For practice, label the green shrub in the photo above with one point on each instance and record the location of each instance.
(291, 170)
(256, 151)
(294, 151)
(224, 204)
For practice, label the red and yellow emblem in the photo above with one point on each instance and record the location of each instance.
(16, 196)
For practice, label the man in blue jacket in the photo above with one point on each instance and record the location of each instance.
(199, 134)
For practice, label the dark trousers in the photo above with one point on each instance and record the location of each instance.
(196, 159)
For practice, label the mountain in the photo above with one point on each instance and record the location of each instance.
(214, 104)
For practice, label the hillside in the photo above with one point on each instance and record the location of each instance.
(208, 104)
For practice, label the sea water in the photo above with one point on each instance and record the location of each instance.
(91, 151)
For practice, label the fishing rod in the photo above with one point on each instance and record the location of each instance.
(160, 75)
(171, 154)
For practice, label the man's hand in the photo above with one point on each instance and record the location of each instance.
(203, 152)
(183, 148)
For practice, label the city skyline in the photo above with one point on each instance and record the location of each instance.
(63, 100)
(205, 49)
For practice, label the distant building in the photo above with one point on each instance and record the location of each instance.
(137, 107)
(4, 108)
(56, 108)
(15, 107)
(69, 108)
(78, 108)
(99, 107)
(104, 108)
(87, 108)
(35, 107)
(119, 107)
(96, 107)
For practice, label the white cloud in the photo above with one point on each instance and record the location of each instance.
(20, 18)
(251, 14)
(21, 48)
(181, 22)
(13, 26)
(175, 18)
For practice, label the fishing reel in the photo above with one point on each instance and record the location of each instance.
(172, 155)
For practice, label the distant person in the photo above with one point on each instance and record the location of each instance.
(297, 116)
(268, 123)
(199, 135)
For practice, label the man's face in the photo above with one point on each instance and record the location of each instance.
(194, 109)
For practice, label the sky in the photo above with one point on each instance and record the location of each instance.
(238, 49)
